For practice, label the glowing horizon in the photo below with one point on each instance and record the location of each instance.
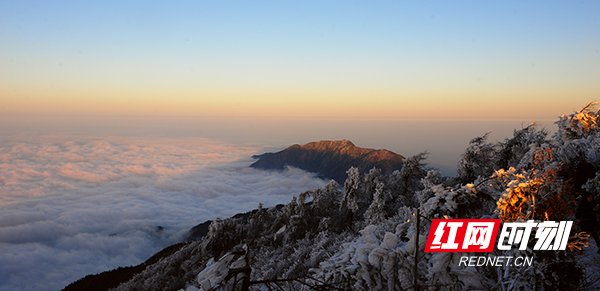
(299, 60)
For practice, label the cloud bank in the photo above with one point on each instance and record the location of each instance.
(72, 205)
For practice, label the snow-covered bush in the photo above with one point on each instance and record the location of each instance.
(578, 125)
(373, 262)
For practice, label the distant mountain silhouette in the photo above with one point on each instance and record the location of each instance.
(330, 159)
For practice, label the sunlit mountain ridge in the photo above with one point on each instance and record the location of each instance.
(330, 159)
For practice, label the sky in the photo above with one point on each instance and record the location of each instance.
(312, 59)
(117, 117)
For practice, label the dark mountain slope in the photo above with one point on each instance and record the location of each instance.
(330, 159)
(110, 279)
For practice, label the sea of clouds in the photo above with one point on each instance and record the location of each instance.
(75, 205)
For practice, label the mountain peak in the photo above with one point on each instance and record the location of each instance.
(329, 145)
(330, 159)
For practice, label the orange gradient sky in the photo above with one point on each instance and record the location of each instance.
(397, 60)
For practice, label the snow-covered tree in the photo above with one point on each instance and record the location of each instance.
(578, 125)
(477, 160)
(377, 210)
(513, 149)
(223, 234)
(407, 181)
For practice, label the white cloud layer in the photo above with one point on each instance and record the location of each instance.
(71, 205)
